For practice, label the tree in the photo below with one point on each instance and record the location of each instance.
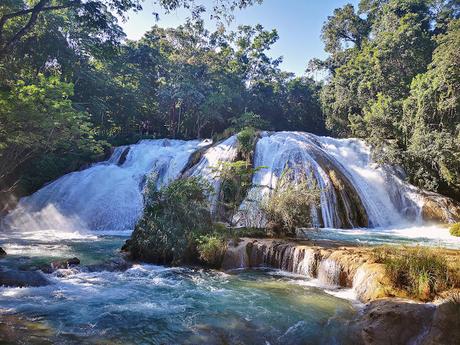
(342, 27)
(38, 119)
(18, 18)
(398, 88)
(432, 117)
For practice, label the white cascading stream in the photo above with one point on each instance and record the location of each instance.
(384, 204)
(304, 152)
(209, 166)
(108, 195)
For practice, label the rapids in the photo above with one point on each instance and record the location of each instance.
(150, 304)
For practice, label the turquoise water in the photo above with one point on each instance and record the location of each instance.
(424, 235)
(150, 304)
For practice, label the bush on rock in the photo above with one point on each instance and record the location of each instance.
(290, 205)
(174, 217)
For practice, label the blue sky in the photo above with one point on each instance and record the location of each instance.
(298, 23)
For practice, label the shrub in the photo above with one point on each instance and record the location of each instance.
(211, 249)
(174, 217)
(420, 271)
(237, 233)
(236, 179)
(246, 142)
(290, 205)
(455, 229)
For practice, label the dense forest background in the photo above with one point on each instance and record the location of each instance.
(72, 86)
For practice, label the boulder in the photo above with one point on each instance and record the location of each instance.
(371, 282)
(445, 328)
(60, 264)
(401, 322)
(393, 321)
(2, 252)
(437, 208)
(117, 264)
(15, 278)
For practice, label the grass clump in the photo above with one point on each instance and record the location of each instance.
(290, 205)
(212, 247)
(174, 217)
(420, 271)
(455, 229)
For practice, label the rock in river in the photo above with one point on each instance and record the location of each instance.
(60, 264)
(16, 278)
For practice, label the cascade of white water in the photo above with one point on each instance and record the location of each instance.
(307, 264)
(385, 201)
(276, 152)
(108, 195)
(209, 166)
(329, 272)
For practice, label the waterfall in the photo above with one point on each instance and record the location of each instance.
(329, 272)
(108, 195)
(384, 204)
(208, 166)
(354, 191)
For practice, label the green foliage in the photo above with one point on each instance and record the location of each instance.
(431, 118)
(237, 233)
(183, 82)
(290, 204)
(211, 249)
(38, 122)
(249, 119)
(236, 179)
(174, 217)
(421, 271)
(246, 141)
(344, 26)
(455, 229)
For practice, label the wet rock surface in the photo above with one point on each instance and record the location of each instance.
(117, 264)
(16, 278)
(402, 322)
(60, 264)
(438, 208)
(333, 264)
(2, 252)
